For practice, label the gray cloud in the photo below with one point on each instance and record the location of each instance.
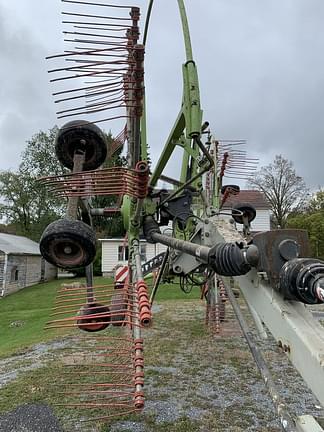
(24, 93)
(260, 66)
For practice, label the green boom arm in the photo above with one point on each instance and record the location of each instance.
(189, 121)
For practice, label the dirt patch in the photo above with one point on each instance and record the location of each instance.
(12, 367)
(194, 380)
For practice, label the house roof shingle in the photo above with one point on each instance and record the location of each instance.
(12, 244)
(254, 197)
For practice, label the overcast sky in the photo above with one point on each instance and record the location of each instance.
(260, 65)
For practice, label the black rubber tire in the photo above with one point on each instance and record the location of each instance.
(247, 210)
(68, 141)
(94, 309)
(118, 304)
(68, 244)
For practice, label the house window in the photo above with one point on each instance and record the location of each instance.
(122, 253)
(143, 252)
(14, 274)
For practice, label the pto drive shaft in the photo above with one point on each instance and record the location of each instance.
(226, 259)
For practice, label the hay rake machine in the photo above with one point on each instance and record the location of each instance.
(106, 66)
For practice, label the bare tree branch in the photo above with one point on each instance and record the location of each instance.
(282, 187)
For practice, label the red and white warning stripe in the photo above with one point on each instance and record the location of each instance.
(121, 274)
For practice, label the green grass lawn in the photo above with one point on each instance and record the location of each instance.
(25, 313)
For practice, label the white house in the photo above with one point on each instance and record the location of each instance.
(262, 207)
(115, 252)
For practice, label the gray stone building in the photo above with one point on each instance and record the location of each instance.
(21, 264)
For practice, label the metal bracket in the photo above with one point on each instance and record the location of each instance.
(291, 324)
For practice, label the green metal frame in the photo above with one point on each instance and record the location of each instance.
(189, 121)
(185, 133)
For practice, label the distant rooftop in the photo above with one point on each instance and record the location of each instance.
(12, 244)
(254, 197)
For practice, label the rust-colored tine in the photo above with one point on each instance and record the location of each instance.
(103, 90)
(76, 322)
(101, 292)
(128, 340)
(74, 301)
(91, 405)
(118, 351)
(96, 16)
(78, 288)
(109, 393)
(94, 35)
(85, 51)
(121, 27)
(115, 374)
(97, 182)
(86, 66)
(92, 98)
(98, 4)
(116, 72)
(92, 87)
(69, 293)
(60, 304)
(104, 176)
(106, 28)
(92, 104)
(112, 60)
(116, 366)
(115, 378)
(108, 385)
(92, 108)
(116, 314)
(107, 119)
(70, 322)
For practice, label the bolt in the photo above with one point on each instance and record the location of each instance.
(68, 250)
(177, 269)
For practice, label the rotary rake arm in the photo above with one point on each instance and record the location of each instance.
(275, 275)
(107, 55)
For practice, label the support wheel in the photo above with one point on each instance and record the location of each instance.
(68, 244)
(84, 136)
(99, 321)
(118, 307)
(246, 209)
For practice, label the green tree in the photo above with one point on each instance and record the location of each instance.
(283, 188)
(26, 204)
(314, 223)
(316, 203)
(38, 158)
